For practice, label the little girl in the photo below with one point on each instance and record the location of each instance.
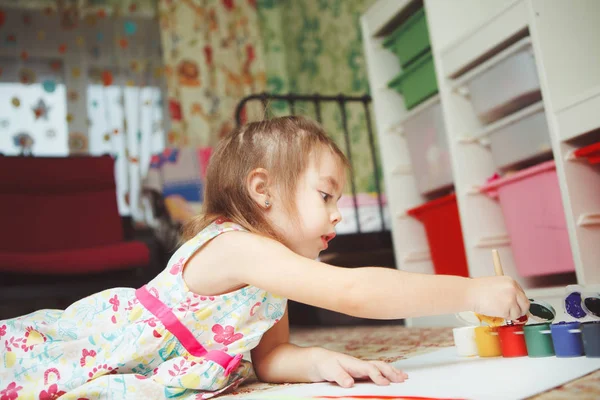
(270, 209)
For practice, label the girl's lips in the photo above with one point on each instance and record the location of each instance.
(326, 238)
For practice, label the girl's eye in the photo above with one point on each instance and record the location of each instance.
(325, 196)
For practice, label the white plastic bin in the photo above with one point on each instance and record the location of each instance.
(425, 134)
(522, 137)
(505, 83)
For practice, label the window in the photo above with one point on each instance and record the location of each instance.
(33, 111)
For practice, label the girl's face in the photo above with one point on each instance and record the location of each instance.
(317, 193)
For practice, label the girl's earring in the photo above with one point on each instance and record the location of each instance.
(267, 204)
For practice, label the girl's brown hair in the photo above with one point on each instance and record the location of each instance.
(282, 146)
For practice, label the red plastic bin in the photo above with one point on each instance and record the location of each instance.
(535, 220)
(444, 234)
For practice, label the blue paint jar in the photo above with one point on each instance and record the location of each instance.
(566, 338)
(590, 332)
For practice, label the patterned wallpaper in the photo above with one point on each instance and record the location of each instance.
(218, 51)
(213, 58)
(315, 46)
(109, 7)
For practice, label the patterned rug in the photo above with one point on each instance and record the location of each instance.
(392, 343)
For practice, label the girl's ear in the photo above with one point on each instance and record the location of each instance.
(257, 184)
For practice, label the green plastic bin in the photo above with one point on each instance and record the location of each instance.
(410, 39)
(417, 82)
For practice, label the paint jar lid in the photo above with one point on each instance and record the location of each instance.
(590, 303)
(540, 311)
(580, 303)
(470, 318)
(572, 302)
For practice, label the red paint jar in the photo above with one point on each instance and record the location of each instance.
(512, 341)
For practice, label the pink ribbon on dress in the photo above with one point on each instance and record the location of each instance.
(183, 334)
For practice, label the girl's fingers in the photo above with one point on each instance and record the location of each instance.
(391, 373)
(342, 377)
(376, 375)
(523, 304)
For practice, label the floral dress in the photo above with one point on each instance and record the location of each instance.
(159, 341)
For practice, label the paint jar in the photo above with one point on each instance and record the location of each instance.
(464, 341)
(487, 341)
(538, 339)
(590, 332)
(512, 341)
(464, 337)
(566, 338)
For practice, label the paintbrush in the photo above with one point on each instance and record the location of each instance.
(498, 270)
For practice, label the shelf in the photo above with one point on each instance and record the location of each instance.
(389, 111)
(565, 36)
(384, 15)
(467, 37)
(580, 116)
(493, 241)
(416, 256)
(402, 169)
(589, 219)
(488, 129)
(483, 41)
(394, 129)
(423, 106)
(484, 66)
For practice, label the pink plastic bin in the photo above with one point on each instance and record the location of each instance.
(535, 219)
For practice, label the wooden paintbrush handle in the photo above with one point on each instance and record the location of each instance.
(499, 271)
(497, 263)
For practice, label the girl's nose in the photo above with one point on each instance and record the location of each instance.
(336, 217)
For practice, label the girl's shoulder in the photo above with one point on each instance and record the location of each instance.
(190, 247)
(212, 231)
(204, 262)
(218, 226)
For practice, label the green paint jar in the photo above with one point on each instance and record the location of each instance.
(538, 339)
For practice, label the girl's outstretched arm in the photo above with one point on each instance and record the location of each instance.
(370, 292)
(276, 360)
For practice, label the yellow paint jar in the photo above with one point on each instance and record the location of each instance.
(487, 341)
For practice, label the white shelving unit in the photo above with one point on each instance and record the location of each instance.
(463, 34)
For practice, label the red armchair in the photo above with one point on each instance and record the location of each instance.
(60, 230)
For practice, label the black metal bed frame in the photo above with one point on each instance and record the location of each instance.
(364, 241)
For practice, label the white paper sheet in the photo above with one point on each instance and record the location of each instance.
(443, 374)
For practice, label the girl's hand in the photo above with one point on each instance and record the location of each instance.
(330, 366)
(498, 296)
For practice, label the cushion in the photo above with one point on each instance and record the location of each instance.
(54, 204)
(118, 256)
